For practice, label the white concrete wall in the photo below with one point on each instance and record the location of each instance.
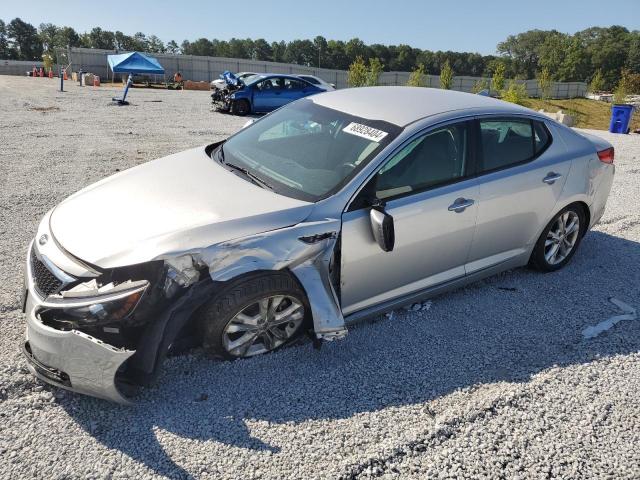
(209, 68)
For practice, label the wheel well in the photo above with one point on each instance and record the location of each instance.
(587, 215)
(261, 273)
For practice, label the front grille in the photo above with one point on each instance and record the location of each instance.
(45, 282)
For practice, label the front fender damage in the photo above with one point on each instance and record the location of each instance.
(307, 250)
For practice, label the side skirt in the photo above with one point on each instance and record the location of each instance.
(435, 290)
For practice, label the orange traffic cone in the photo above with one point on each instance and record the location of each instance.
(64, 74)
(50, 73)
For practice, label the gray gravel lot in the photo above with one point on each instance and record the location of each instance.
(494, 380)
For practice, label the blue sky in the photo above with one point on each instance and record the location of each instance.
(459, 25)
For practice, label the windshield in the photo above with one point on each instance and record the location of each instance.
(307, 151)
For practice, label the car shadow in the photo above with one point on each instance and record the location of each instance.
(505, 328)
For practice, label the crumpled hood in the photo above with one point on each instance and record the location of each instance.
(180, 202)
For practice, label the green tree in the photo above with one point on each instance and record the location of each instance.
(356, 48)
(608, 50)
(24, 40)
(140, 42)
(201, 46)
(622, 89)
(321, 46)
(525, 49)
(479, 86)
(155, 45)
(337, 55)
(67, 37)
(633, 58)
(172, 47)
(597, 82)
(497, 81)
(358, 73)
(417, 77)
(4, 42)
(373, 72)
(515, 93)
(261, 50)
(102, 39)
(48, 32)
(446, 76)
(544, 83)
(277, 51)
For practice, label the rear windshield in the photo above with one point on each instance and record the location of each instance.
(307, 151)
(311, 80)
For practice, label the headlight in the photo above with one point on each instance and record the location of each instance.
(94, 306)
(232, 96)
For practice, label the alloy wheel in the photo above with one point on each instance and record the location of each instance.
(562, 237)
(263, 326)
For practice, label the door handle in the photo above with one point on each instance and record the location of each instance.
(551, 178)
(460, 204)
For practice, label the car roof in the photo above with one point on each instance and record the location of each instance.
(264, 76)
(405, 105)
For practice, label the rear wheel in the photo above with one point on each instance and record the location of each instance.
(559, 240)
(241, 107)
(255, 316)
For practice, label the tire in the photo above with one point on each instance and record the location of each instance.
(542, 257)
(241, 107)
(233, 315)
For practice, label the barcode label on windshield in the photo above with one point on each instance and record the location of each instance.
(364, 131)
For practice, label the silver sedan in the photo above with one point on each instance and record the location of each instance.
(332, 209)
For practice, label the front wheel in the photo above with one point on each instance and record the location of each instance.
(559, 240)
(255, 316)
(241, 107)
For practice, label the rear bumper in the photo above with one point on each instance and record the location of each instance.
(70, 359)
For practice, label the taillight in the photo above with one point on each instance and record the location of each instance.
(606, 156)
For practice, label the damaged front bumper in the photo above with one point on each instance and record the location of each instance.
(70, 359)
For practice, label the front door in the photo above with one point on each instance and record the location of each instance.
(269, 94)
(425, 187)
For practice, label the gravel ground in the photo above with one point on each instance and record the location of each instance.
(493, 380)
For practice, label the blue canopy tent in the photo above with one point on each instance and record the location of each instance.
(132, 63)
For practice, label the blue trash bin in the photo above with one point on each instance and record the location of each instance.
(620, 118)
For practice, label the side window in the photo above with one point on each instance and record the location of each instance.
(542, 137)
(505, 143)
(264, 85)
(437, 158)
(291, 84)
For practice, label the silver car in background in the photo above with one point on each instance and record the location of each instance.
(332, 209)
(318, 82)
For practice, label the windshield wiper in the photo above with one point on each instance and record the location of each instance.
(253, 177)
(257, 180)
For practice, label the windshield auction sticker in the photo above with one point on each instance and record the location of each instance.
(365, 132)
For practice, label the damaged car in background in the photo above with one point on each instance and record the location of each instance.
(330, 210)
(260, 93)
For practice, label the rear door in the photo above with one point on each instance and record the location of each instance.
(521, 173)
(293, 90)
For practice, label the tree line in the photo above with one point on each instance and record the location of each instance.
(603, 51)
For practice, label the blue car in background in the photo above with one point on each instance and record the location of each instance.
(260, 93)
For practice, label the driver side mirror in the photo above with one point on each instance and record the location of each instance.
(382, 227)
